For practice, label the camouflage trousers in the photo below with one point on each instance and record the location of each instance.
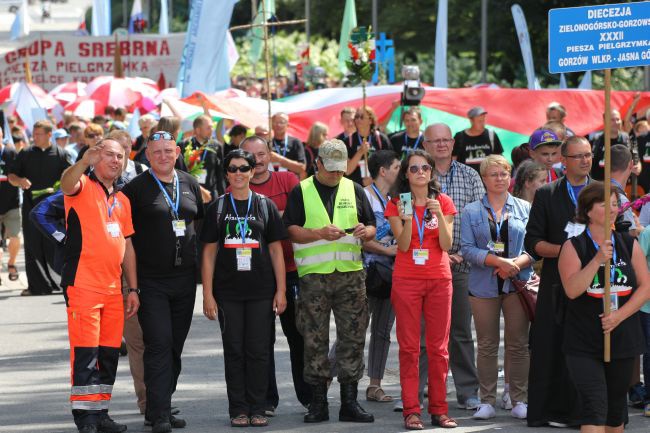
(343, 293)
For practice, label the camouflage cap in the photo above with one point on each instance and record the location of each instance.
(334, 155)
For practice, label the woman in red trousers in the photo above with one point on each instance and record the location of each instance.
(422, 286)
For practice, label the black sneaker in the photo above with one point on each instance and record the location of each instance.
(107, 425)
(177, 422)
(88, 428)
(161, 427)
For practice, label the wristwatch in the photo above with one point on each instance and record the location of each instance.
(132, 290)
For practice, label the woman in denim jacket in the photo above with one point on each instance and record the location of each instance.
(492, 240)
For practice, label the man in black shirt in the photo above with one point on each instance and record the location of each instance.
(164, 204)
(617, 136)
(405, 142)
(328, 258)
(9, 212)
(36, 170)
(473, 145)
(237, 135)
(347, 123)
(288, 152)
(211, 154)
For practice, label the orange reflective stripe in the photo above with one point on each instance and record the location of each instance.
(90, 397)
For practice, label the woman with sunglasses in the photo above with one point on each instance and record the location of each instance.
(422, 285)
(243, 270)
(492, 241)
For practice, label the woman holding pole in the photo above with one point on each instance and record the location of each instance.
(602, 386)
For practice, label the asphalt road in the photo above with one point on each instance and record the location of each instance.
(34, 380)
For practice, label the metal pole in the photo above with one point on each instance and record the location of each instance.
(484, 11)
(607, 182)
(307, 23)
(267, 61)
(375, 21)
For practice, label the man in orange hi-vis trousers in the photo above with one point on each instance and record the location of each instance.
(98, 220)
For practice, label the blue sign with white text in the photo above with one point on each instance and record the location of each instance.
(599, 37)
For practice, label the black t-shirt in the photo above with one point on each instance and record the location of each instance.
(214, 180)
(43, 168)
(228, 282)
(403, 144)
(154, 240)
(583, 332)
(294, 214)
(311, 155)
(8, 192)
(472, 150)
(289, 147)
(598, 149)
(377, 141)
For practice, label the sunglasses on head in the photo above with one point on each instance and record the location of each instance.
(240, 168)
(161, 135)
(424, 167)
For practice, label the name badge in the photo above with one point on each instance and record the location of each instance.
(179, 227)
(420, 257)
(496, 247)
(613, 302)
(113, 229)
(574, 229)
(244, 257)
(203, 177)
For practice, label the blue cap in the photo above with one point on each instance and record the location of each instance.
(60, 133)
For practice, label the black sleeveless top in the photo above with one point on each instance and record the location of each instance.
(583, 332)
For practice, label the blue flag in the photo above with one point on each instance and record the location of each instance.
(204, 66)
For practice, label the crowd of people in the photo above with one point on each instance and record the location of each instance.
(423, 228)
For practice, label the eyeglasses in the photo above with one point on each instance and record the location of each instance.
(579, 156)
(502, 175)
(416, 168)
(240, 168)
(439, 141)
(161, 135)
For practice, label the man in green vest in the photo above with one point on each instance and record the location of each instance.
(327, 217)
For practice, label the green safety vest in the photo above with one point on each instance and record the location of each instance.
(322, 256)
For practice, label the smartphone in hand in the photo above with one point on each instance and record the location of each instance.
(407, 205)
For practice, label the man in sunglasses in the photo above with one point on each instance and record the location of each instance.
(165, 203)
(328, 216)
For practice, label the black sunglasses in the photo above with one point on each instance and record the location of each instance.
(241, 168)
(161, 135)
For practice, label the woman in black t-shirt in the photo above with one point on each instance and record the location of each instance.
(243, 269)
(602, 387)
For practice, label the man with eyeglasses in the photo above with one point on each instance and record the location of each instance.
(165, 203)
(463, 184)
(551, 393)
(37, 170)
(328, 216)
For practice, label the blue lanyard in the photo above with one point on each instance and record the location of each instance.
(109, 207)
(499, 223)
(612, 268)
(406, 141)
(381, 198)
(243, 228)
(446, 186)
(286, 143)
(572, 194)
(173, 201)
(419, 226)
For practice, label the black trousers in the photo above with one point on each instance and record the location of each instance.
(296, 348)
(165, 315)
(39, 257)
(245, 333)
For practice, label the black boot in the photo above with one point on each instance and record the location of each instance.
(351, 411)
(318, 410)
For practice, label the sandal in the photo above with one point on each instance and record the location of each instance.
(240, 421)
(13, 272)
(259, 421)
(376, 393)
(443, 421)
(413, 422)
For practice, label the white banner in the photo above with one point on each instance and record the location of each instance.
(57, 58)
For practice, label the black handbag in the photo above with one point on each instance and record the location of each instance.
(379, 279)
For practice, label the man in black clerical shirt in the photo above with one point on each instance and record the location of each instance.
(164, 204)
(211, 154)
(36, 170)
